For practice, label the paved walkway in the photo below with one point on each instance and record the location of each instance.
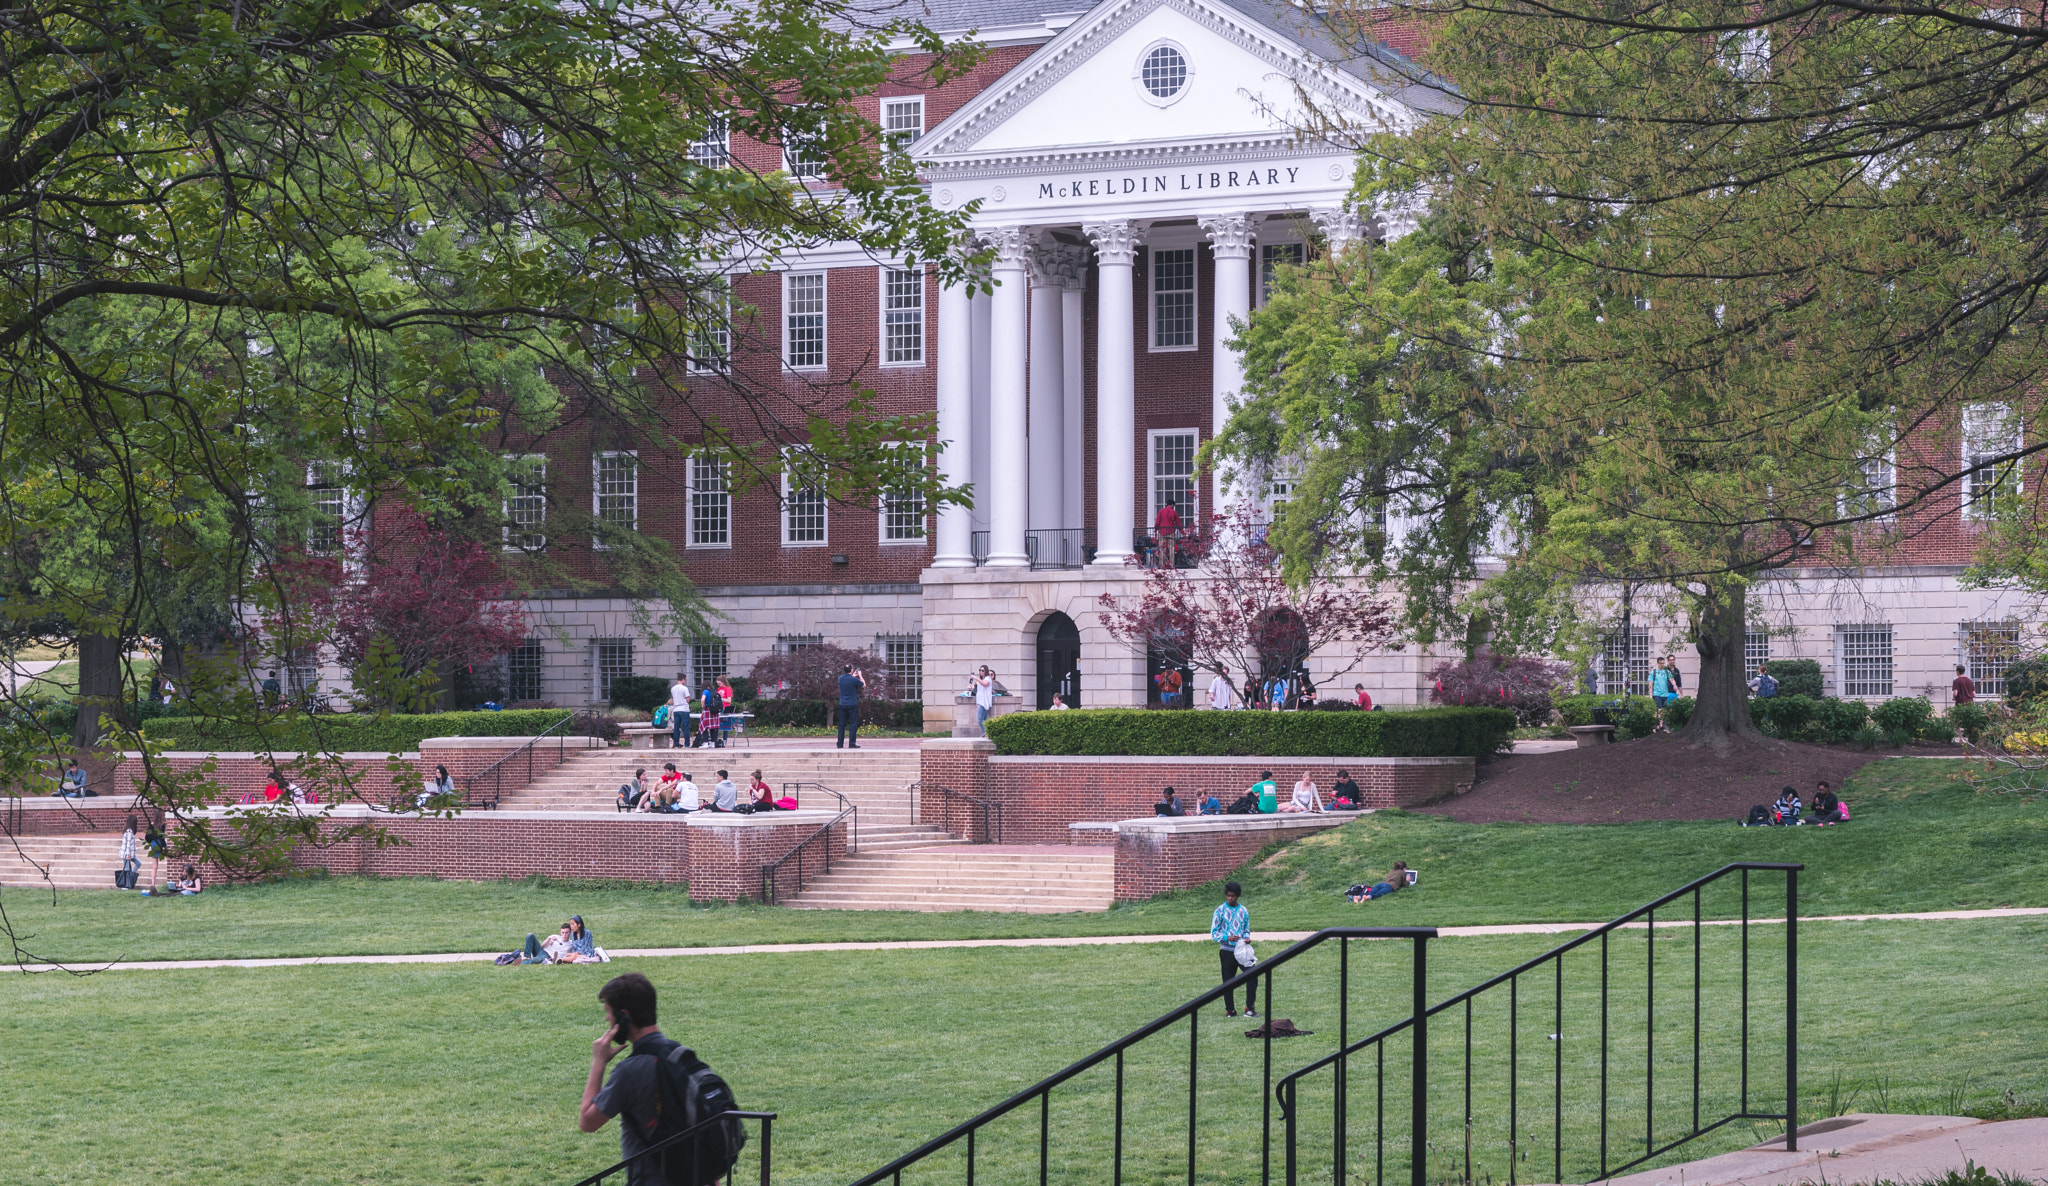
(1534, 928)
(1864, 1147)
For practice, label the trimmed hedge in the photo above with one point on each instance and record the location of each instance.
(1429, 732)
(882, 714)
(357, 732)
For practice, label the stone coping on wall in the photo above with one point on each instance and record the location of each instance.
(410, 755)
(1188, 825)
(1214, 760)
(695, 819)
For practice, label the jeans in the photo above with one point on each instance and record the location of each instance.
(130, 865)
(1230, 972)
(679, 727)
(981, 712)
(849, 724)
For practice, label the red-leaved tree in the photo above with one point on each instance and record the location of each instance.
(1523, 683)
(1232, 613)
(410, 603)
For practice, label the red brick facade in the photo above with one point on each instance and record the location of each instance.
(1152, 861)
(369, 776)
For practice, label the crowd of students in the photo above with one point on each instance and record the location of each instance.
(675, 792)
(1263, 798)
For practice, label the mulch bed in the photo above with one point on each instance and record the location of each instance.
(1659, 777)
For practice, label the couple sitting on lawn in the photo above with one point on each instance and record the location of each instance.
(572, 945)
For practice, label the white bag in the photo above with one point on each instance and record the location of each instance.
(1246, 957)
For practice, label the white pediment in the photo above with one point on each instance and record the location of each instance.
(1082, 95)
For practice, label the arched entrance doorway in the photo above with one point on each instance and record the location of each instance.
(1059, 661)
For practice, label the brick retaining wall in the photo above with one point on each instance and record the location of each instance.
(1154, 856)
(369, 776)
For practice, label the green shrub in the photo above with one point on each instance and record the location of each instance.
(792, 712)
(1678, 712)
(2026, 679)
(1639, 721)
(1937, 728)
(644, 692)
(743, 688)
(365, 732)
(1337, 706)
(1796, 677)
(1835, 720)
(1868, 736)
(1897, 738)
(1970, 720)
(1578, 710)
(1906, 715)
(1789, 716)
(1430, 732)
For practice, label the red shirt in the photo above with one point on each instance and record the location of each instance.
(1168, 521)
(1364, 700)
(270, 793)
(1965, 689)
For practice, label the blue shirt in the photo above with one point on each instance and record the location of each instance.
(1660, 681)
(1230, 924)
(849, 690)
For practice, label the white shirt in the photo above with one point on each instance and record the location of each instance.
(985, 692)
(1305, 797)
(686, 794)
(679, 695)
(1219, 693)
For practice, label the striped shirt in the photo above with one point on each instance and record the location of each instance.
(1230, 924)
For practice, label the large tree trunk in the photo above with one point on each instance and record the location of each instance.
(99, 686)
(1720, 712)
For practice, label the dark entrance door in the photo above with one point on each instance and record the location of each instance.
(1059, 661)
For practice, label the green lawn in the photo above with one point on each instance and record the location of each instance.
(471, 1073)
(1918, 842)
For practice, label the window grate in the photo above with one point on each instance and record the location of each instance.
(803, 319)
(1866, 653)
(1173, 475)
(1987, 648)
(710, 503)
(1756, 649)
(1173, 298)
(708, 661)
(905, 660)
(902, 316)
(523, 672)
(1625, 668)
(614, 659)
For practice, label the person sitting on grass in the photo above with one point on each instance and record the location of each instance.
(1785, 812)
(555, 948)
(1397, 879)
(582, 946)
(1827, 809)
(1307, 797)
(188, 884)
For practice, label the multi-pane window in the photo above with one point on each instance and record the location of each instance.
(798, 642)
(905, 659)
(1987, 648)
(710, 309)
(1625, 665)
(1173, 474)
(1989, 431)
(902, 515)
(708, 661)
(710, 503)
(1876, 490)
(522, 672)
(902, 316)
(803, 511)
(526, 503)
(1271, 257)
(327, 500)
(803, 319)
(614, 659)
(903, 121)
(803, 155)
(714, 150)
(1756, 649)
(615, 489)
(1164, 72)
(1173, 298)
(1865, 652)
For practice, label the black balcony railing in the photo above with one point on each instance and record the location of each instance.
(1045, 547)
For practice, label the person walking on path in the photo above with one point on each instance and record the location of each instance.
(984, 697)
(1229, 926)
(1963, 686)
(1219, 691)
(1677, 680)
(1660, 690)
(850, 686)
(678, 712)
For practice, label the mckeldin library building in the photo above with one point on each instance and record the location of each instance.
(1138, 181)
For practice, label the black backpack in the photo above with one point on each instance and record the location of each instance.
(686, 1093)
(1246, 804)
(1759, 817)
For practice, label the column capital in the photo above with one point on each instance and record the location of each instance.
(1057, 265)
(1012, 246)
(1400, 217)
(1116, 243)
(1340, 226)
(1230, 235)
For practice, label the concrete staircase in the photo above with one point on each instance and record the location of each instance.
(1015, 878)
(875, 780)
(85, 861)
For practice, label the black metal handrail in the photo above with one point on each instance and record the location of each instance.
(770, 873)
(991, 815)
(471, 784)
(1339, 1061)
(1042, 1090)
(795, 790)
(767, 1120)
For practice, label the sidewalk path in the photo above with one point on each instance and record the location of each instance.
(461, 957)
(1869, 1147)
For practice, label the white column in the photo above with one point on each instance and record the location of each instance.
(956, 422)
(1116, 247)
(1009, 495)
(1048, 388)
(1073, 462)
(1340, 226)
(1230, 236)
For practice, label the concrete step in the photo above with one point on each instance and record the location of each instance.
(85, 861)
(877, 782)
(1047, 879)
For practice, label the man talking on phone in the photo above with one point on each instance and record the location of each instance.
(637, 1091)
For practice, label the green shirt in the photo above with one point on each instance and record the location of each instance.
(1268, 798)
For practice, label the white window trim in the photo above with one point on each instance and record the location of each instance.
(723, 126)
(882, 319)
(1138, 73)
(902, 100)
(690, 507)
(788, 490)
(1152, 345)
(596, 491)
(1152, 476)
(1974, 507)
(1841, 633)
(520, 459)
(1259, 293)
(824, 323)
(698, 366)
(882, 536)
(789, 167)
(1843, 505)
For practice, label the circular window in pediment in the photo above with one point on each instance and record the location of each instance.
(1163, 73)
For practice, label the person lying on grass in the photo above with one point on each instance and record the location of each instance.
(1397, 878)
